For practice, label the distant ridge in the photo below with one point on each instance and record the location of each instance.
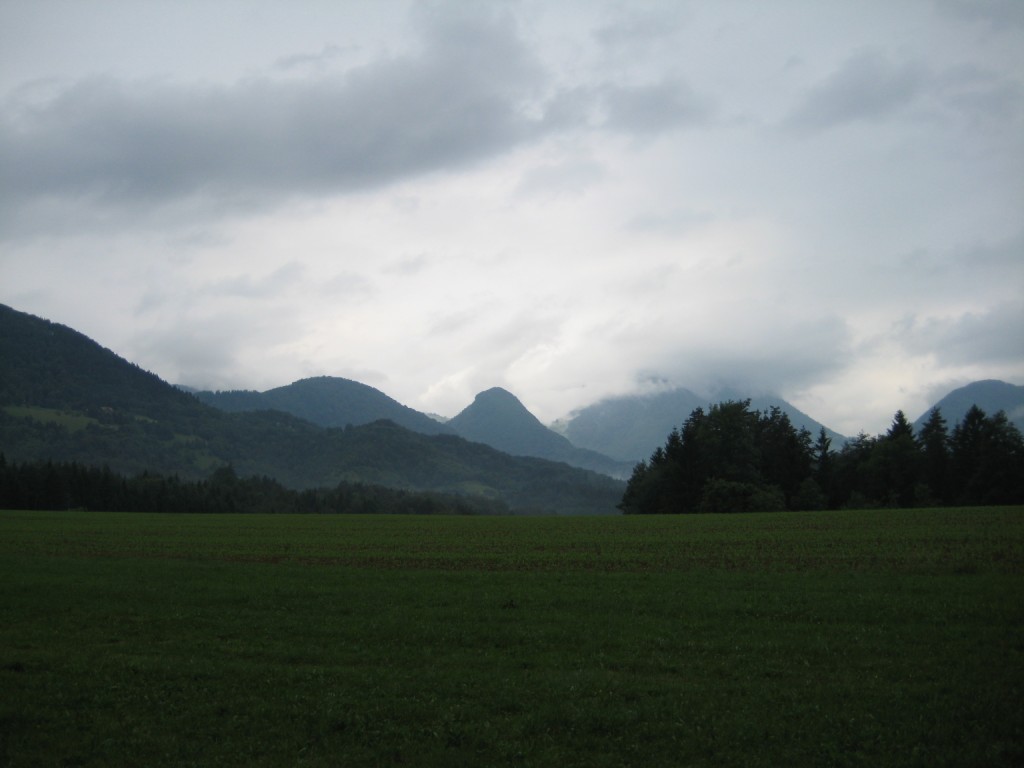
(328, 401)
(497, 418)
(990, 395)
(630, 427)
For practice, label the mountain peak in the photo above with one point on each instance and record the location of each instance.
(494, 409)
(991, 395)
(497, 418)
(496, 394)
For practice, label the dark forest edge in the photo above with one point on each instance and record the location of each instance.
(48, 485)
(732, 459)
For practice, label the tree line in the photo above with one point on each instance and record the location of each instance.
(48, 485)
(732, 459)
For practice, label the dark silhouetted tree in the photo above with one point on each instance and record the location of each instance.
(726, 459)
(934, 441)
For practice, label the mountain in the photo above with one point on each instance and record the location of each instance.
(990, 395)
(63, 397)
(497, 418)
(798, 418)
(630, 427)
(329, 402)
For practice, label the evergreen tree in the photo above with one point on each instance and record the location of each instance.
(934, 441)
(987, 460)
(898, 457)
(726, 459)
(824, 467)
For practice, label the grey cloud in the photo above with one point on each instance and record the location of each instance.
(572, 177)
(316, 61)
(998, 14)
(410, 265)
(993, 269)
(868, 86)
(993, 337)
(349, 285)
(114, 143)
(573, 107)
(249, 287)
(980, 95)
(772, 358)
(640, 27)
(196, 353)
(650, 109)
(674, 222)
(445, 323)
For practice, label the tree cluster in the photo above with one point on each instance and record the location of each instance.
(70, 485)
(732, 459)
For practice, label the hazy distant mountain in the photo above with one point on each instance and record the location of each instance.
(799, 419)
(329, 402)
(497, 418)
(630, 427)
(63, 397)
(989, 395)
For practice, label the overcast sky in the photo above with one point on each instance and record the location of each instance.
(571, 200)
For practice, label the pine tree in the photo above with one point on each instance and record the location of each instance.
(934, 441)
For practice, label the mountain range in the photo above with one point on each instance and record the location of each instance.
(495, 418)
(64, 397)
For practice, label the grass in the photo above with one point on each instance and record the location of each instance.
(855, 638)
(73, 422)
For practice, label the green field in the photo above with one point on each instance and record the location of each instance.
(854, 638)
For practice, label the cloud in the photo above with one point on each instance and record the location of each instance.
(867, 87)
(998, 14)
(677, 221)
(249, 287)
(993, 337)
(870, 87)
(114, 144)
(980, 96)
(763, 355)
(654, 108)
(640, 27)
(315, 61)
(569, 177)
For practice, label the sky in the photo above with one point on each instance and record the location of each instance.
(571, 200)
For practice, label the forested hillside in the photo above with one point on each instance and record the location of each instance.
(328, 402)
(69, 485)
(64, 398)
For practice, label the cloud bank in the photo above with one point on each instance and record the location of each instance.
(566, 200)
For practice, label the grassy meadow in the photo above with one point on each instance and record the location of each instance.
(882, 638)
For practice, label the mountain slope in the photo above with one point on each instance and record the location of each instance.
(630, 427)
(990, 395)
(329, 402)
(66, 398)
(497, 418)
